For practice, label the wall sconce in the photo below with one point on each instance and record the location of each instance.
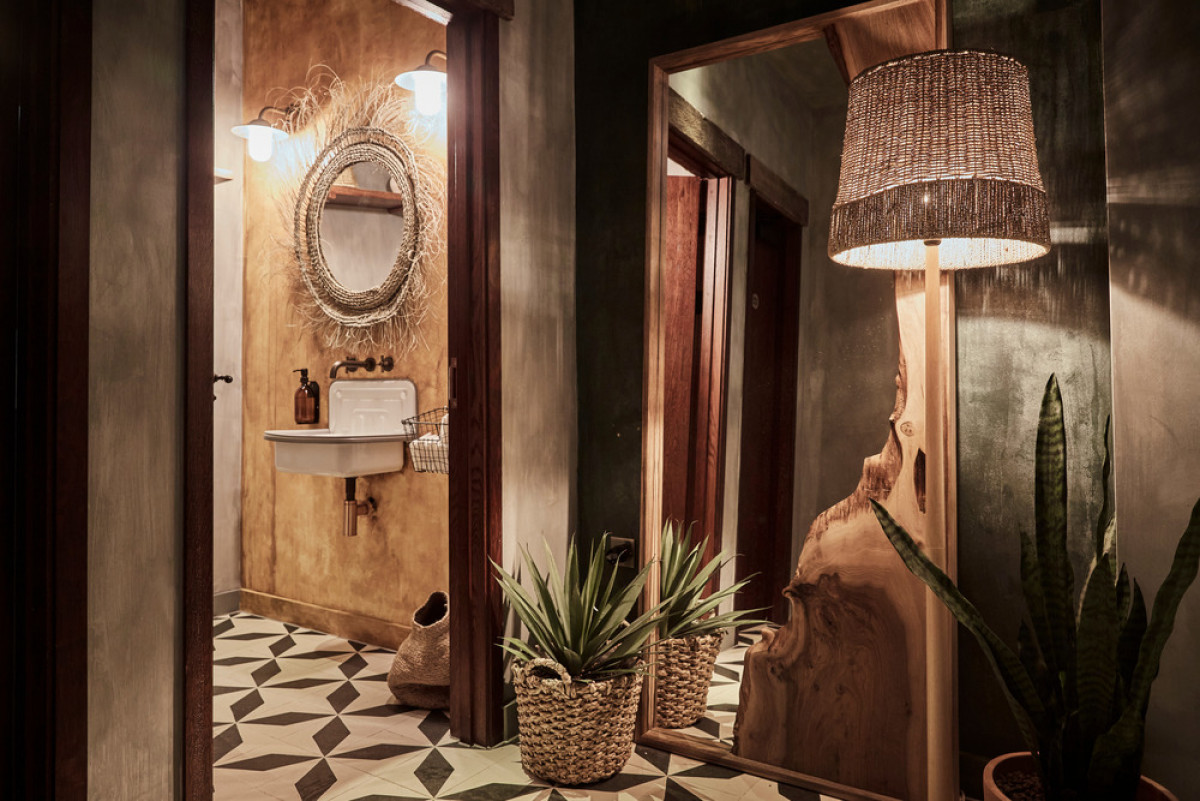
(428, 85)
(261, 135)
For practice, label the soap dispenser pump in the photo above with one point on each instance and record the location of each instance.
(308, 399)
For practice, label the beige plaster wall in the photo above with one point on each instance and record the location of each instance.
(228, 155)
(537, 283)
(135, 406)
(296, 563)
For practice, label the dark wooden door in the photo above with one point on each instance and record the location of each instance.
(684, 251)
(769, 411)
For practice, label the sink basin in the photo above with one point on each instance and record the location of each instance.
(366, 433)
(321, 452)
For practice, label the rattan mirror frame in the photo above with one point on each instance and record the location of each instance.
(378, 305)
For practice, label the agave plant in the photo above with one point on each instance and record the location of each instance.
(687, 612)
(578, 619)
(1079, 682)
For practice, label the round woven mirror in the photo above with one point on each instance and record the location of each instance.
(339, 289)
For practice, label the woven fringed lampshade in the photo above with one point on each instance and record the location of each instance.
(940, 146)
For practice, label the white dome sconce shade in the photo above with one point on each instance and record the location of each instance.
(260, 135)
(428, 85)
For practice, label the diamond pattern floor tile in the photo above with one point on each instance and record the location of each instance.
(299, 714)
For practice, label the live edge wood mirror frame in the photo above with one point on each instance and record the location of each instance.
(858, 37)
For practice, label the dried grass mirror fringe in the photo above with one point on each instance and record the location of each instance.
(336, 125)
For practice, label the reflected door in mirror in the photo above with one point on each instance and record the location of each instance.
(769, 412)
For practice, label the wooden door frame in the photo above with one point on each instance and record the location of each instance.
(702, 147)
(44, 302)
(660, 70)
(473, 278)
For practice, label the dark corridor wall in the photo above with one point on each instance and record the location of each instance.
(1017, 325)
(1152, 69)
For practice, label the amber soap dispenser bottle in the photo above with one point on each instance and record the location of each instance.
(308, 399)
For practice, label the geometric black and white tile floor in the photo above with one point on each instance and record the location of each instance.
(298, 714)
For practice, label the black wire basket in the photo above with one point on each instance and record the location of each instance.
(430, 447)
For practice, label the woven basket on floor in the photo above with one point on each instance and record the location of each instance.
(683, 669)
(573, 732)
(420, 674)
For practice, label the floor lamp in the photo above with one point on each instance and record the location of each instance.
(939, 172)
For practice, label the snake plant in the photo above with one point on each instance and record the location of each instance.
(1079, 681)
(578, 618)
(688, 611)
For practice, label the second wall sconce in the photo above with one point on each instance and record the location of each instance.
(261, 135)
(428, 85)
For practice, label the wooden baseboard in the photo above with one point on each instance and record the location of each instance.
(226, 602)
(371, 630)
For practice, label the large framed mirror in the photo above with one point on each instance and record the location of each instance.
(756, 122)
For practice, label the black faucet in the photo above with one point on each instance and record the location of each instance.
(352, 364)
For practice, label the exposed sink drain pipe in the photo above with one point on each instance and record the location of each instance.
(353, 507)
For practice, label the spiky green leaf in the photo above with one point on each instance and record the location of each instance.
(685, 578)
(1031, 658)
(1099, 629)
(577, 618)
(1116, 762)
(1026, 706)
(1130, 642)
(1050, 516)
(1124, 594)
(1162, 617)
(1031, 587)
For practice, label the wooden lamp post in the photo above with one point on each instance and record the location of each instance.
(939, 171)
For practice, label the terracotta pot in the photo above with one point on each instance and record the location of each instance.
(1148, 790)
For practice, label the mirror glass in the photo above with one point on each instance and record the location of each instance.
(801, 393)
(361, 240)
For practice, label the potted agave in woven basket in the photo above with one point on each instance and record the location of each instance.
(578, 675)
(690, 633)
(1079, 681)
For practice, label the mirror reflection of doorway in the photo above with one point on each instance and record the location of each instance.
(769, 411)
(695, 319)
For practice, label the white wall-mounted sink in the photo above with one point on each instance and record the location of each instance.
(366, 433)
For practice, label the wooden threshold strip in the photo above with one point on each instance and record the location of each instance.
(716, 753)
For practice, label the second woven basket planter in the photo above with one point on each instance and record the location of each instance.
(574, 732)
(683, 669)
